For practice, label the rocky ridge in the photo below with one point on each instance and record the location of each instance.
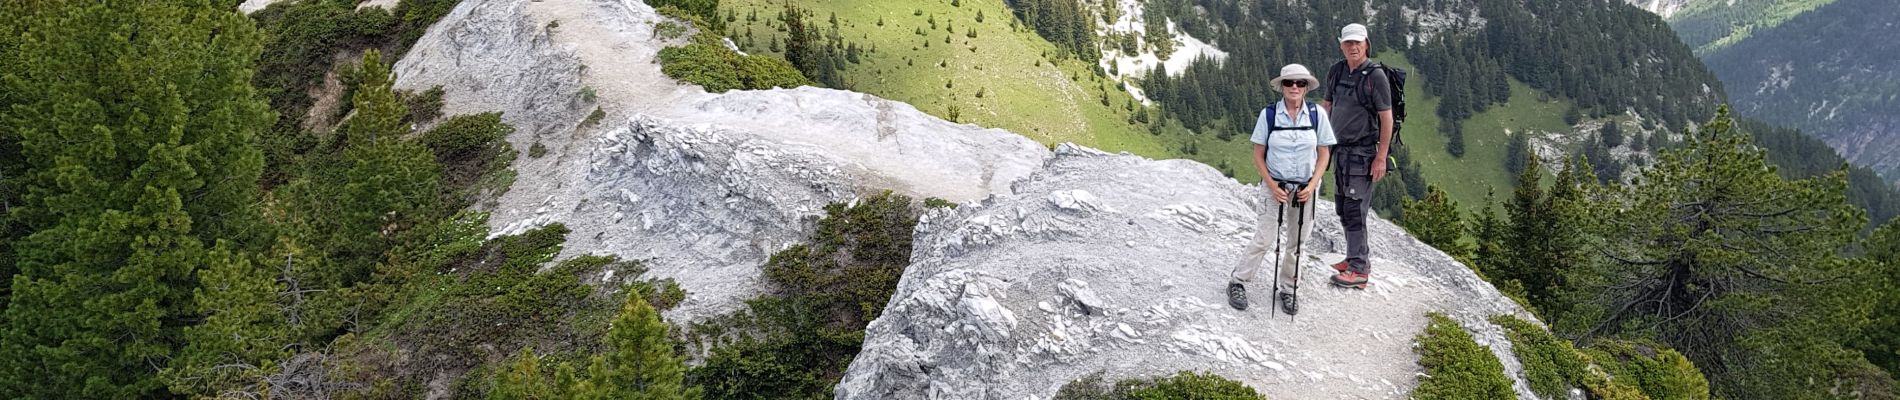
(1059, 264)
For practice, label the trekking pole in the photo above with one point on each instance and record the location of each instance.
(1277, 239)
(1299, 210)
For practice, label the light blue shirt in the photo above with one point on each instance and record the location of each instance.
(1290, 155)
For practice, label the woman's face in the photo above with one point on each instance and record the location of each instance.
(1294, 88)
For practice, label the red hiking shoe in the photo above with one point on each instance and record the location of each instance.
(1350, 279)
(1342, 266)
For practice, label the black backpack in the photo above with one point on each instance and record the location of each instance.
(1396, 78)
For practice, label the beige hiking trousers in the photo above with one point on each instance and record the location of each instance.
(1271, 220)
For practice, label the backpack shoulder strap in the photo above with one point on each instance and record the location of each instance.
(1312, 114)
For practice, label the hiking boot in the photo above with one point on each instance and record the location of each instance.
(1343, 265)
(1237, 296)
(1289, 303)
(1351, 279)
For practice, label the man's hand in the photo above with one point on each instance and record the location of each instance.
(1279, 195)
(1307, 193)
(1378, 169)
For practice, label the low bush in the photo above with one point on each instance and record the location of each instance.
(1184, 385)
(1456, 367)
(796, 342)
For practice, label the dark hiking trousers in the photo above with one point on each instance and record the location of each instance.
(1352, 199)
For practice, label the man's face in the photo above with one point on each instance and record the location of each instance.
(1355, 50)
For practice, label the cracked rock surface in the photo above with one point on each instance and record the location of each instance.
(1117, 263)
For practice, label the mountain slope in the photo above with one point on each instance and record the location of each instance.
(1830, 72)
(1709, 25)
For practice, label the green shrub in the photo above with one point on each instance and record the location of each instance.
(594, 117)
(423, 107)
(669, 30)
(705, 61)
(468, 139)
(1456, 367)
(1184, 385)
(1550, 365)
(797, 342)
(475, 155)
(1660, 372)
(485, 303)
(932, 202)
(719, 69)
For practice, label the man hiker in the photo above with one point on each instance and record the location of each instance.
(1291, 142)
(1359, 98)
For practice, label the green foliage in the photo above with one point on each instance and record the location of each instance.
(302, 38)
(131, 127)
(1436, 221)
(1067, 23)
(537, 150)
(1182, 386)
(708, 63)
(243, 335)
(1714, 254)
(364, 192)
(1550, 365)
(669, 30)
(639, 364)
(423, 107)
(706, 11)
(1660, 373)
(1882, 342)
(1708, 26)
(594, 118)
(1581, 51)
(1797, 155)
(469, 147)
(1544, 235)
(1856, 92)
(796, 343)
(1456, 367)
(932, 202)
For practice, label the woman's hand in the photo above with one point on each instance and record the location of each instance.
(1279, 195)
(1307, 193)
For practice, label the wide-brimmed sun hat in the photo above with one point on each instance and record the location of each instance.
(1295, 71)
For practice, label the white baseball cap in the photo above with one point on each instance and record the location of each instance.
(1352, 32)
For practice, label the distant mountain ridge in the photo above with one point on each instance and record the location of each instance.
(1830, 72)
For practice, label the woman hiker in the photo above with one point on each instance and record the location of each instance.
(1292, 139)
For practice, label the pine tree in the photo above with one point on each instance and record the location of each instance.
(135, 123)
(523, 381)
(357, 203)
(1714, 254)
(1882, 341)
(1435, 221)
(243, 334)
(1488, 234)
(640, 363)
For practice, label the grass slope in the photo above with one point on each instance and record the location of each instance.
(1709, 25)
(1026, 88)
(1467, 179)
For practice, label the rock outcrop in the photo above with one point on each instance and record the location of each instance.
(1118, 263)
(1060, 263)
(702, 186)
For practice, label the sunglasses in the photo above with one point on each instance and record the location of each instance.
(1293, 83)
